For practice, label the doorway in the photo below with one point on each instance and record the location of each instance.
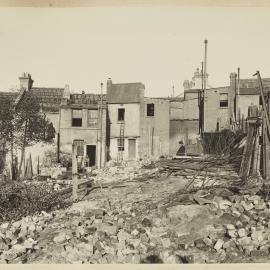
(131, 148)
(91, 153)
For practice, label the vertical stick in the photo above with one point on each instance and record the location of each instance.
(58, 146)
(152, 141)
(255, 153)
(263, 146)
(38, 166)
(74, 172)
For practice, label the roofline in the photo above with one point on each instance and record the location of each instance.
(37, 87)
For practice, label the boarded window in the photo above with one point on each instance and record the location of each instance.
(92, 118)
(150, 109)
(121, 144)
(121, 114)
(223, 100)
(76, 118)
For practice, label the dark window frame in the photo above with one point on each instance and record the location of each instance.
(121, 114)
(150, 109)
(224, 103)
(76, 121)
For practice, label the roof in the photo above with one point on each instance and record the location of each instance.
(253, 91)
(47, 91)
(125, 92)
(8, 96)
(85, 99)
(49, 98)
(253, 83)
(192, 91)
(170, 99)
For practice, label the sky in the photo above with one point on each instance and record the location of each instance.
(158, 46)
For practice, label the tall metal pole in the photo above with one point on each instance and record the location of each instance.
(205, 75)
(101, 122)
(200, 95)
(238, 93)
(205, 62)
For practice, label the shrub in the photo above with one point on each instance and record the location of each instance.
(19, 199)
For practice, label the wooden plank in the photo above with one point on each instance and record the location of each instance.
(255, 153)
(247, 155)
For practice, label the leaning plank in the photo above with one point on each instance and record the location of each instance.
(247, 155)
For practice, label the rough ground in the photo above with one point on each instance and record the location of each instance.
(144, 221)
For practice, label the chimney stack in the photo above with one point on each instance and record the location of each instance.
(26, 81)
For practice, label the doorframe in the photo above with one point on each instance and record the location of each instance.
(96, 156)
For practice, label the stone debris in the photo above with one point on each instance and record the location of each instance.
(206, 228)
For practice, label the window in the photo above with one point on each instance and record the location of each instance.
(76, 118)
(92, 118)
(121, 114)
(150, 109)
(223, 100)
(121, 144)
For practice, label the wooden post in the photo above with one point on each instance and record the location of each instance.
(266, 150)
(74, 172)
(255, 153)
(58, 147)
(38, 166)
(152, 141)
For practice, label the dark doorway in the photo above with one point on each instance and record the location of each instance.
(91, 153)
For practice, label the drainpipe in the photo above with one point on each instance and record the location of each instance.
(101, 118)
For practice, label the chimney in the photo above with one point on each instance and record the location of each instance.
(109, 83)
(66, 93)
(186, 85)
(26, 81)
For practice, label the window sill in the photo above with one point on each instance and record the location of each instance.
(84, 127)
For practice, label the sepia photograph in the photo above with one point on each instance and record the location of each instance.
(134, 132)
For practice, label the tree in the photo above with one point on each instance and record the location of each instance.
(6, 129)
(23, 126)
(32, 126)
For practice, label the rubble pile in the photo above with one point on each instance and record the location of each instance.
(249, 231)
(126, 170)
(19, 239)
(146, 220)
